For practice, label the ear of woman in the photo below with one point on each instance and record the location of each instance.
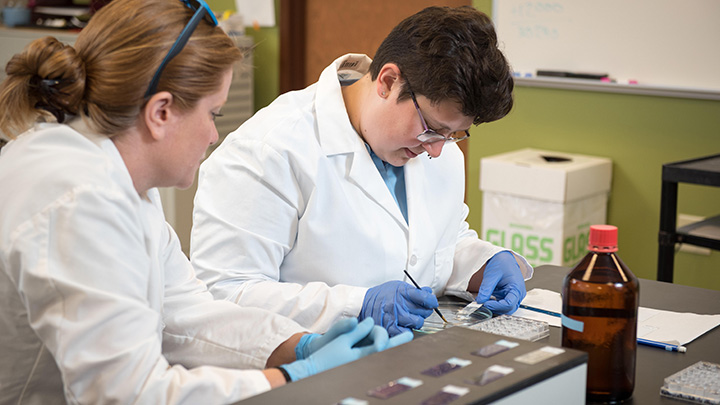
(158, 114)
(387, 78)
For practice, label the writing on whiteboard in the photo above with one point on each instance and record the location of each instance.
(533, 19)
(662, 43)
(532, 9)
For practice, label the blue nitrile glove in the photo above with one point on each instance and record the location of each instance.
(398, 306)
(310, 343)
(342, 349)
(503, 279)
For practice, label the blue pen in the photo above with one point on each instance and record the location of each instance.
(542, 311)
(667, 346)
(661, 345)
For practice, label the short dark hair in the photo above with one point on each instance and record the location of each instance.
(451, 54)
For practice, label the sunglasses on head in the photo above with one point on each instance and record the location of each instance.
(202, 11)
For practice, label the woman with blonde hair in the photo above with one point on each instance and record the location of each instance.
(97, 301)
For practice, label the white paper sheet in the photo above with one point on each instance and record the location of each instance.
(653, 324)
(261, 12)
(541, 299)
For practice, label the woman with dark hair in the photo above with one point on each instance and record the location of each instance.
(343, 203)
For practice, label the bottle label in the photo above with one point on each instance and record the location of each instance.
(570, 323)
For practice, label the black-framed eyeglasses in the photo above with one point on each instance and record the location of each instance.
(429, 135)
(202, 11)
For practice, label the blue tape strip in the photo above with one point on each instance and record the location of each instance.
(570, 323)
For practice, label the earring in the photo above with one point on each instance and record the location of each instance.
(383, 94)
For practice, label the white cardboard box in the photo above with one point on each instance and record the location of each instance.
(541, 203)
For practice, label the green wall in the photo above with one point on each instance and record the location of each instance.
(639, 133)
(266, 63)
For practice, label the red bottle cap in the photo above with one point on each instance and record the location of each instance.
(603, 238)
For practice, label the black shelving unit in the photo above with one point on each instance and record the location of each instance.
(706, 233)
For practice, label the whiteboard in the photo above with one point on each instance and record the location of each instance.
(672, 43)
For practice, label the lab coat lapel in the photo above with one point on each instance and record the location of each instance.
(366, 176)
(416, 190)
(335, 132)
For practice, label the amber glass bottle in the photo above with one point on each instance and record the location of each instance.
(599, 316)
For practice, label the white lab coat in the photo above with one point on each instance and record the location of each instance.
(97, 302)
(294, 196)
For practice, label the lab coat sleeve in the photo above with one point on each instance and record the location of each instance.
(471, 253)
(247, 208)
(201, 331)
(83, 272)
